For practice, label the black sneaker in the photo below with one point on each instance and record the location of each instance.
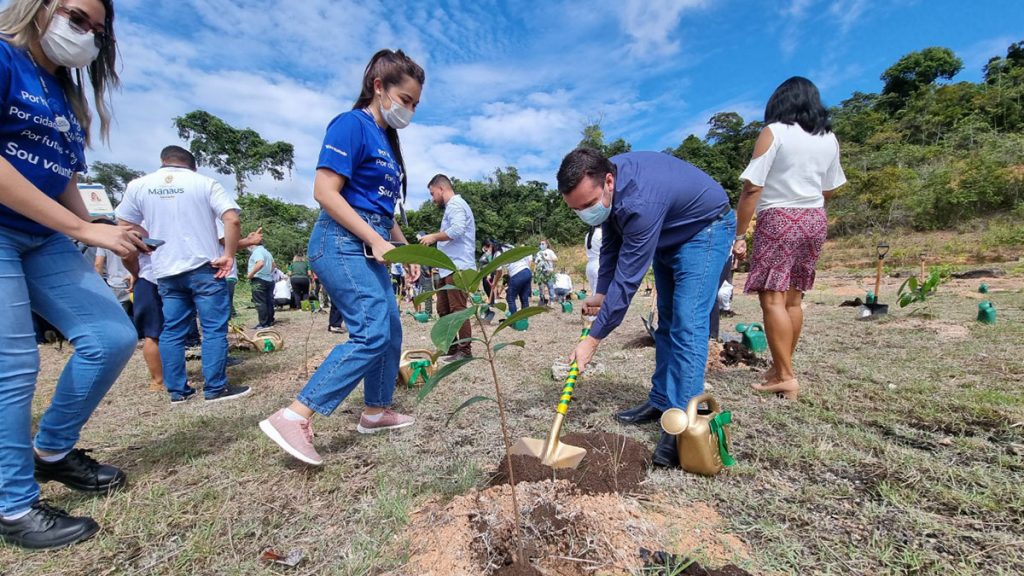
(46, 528)
(229, 393)
(81, 472)
(179, 399)
(232, 361)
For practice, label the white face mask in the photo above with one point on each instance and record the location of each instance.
(397, 116)
(595, 215)
(66, 47)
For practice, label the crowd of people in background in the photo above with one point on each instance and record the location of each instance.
(169, 262)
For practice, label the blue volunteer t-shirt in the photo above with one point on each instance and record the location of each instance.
(29, 138)
(356, 148)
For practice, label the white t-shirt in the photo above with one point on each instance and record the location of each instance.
(513, 268)
(283, 289)
(181, 208)
(234, 263)
(795, 170)
(563, 282)
(594, 247)
(545, 260)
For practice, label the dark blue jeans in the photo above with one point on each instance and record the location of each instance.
(687, 281)
(520, 287)
(263, 297)
(361, 289)
(183, 296)
(47, 275)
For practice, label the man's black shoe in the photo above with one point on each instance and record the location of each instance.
(45, 527)
(665, 453)
(641, 414)
(80, 471)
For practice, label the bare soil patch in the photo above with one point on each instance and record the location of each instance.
(613, 464)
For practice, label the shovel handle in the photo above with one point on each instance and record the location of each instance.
(570, 380)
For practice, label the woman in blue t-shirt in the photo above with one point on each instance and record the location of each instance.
(44, 128)
(360, 176)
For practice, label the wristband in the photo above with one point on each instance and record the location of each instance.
(741, 237)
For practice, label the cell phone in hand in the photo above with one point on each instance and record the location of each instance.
(368, 252)
(153, 242)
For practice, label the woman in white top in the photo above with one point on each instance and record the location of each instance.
(794, 169)
(593, 244)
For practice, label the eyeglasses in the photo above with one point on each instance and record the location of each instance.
(81, 23)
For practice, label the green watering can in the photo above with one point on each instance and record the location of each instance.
(581, 294)
(986, 313)
(983, 288)
(536, 292)
(521, 325)
(421, 317)
(753, 337)
(476, 298)
(870, 298)
(566, 306)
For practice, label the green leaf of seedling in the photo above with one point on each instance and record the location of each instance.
(502, 259)
(464, 280)
(418, 254)
(467, 404)
(902, 288)
(503, 345)
(912, 282)
(441, 374)
(500, 306)
(447, 328)
(524, 313)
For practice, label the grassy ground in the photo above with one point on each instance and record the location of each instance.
(903, 455)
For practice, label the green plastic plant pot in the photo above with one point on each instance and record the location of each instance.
(986, 313)
(567, 307)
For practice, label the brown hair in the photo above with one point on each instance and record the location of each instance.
(391, 66)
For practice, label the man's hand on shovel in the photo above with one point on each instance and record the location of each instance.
(585, 350)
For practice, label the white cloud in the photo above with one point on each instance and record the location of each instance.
(652, 24)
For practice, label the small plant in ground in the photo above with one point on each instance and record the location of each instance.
(915, 291)
(446, 329)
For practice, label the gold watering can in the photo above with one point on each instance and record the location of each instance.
(415, 367)
(702, 439)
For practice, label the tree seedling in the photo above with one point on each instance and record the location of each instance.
(446, 329)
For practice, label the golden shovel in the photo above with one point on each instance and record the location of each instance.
(552, 452)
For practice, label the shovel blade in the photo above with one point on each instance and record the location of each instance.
(558, 456)
(872, 310)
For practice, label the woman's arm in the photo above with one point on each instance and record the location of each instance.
(20, 195)
(326, 191)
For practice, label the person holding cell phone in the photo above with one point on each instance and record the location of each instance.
(360, 178)
(181, 208)
(45, 126)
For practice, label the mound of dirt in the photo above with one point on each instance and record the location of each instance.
(733, 353)
(613, 464)
(565, 533)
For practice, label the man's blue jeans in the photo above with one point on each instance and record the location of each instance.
(519, 288)
(48, 275)
(183, 296)
(687, 282)
(361, 289)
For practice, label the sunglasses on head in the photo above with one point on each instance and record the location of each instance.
(82, 24)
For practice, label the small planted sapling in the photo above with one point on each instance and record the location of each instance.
(446, 329)
(916, 291)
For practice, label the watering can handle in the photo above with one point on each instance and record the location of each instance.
(570, 380)
(691, 408)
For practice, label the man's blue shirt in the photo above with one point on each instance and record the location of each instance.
(660, 203)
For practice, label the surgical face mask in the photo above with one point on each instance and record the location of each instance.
(397, 116)
(66, 47)
(595, 215)
(543, 246)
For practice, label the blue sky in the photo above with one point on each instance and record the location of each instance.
(512, 83)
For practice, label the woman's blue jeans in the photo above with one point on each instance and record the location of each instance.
(687, 282)
(519, 289)
(361, 289)
(48, 275)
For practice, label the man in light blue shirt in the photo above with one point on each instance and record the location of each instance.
(261, 274)
(457, 239)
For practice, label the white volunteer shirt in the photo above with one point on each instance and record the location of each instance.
(181, 208)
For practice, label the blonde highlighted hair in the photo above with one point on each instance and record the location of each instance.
(18, 28)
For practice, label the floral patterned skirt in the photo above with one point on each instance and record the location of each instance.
(787, 243)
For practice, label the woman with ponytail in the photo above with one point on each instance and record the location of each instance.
(359, 179)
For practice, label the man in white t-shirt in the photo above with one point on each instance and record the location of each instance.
(181, 208)
(563, 285)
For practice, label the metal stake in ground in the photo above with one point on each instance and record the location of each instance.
(872, 307)
(552, 452)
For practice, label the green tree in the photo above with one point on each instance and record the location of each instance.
(229, 150)
(114, 177)
(593, 137)
(286, 227)
(915, 71)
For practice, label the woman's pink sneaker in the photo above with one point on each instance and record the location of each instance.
(388, 420)
(293, 436)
